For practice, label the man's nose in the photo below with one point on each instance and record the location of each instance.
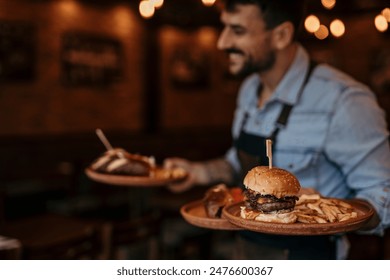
(223, 41)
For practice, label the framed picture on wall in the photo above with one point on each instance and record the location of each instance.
(17, 51)
(90, 59)
(189, 67)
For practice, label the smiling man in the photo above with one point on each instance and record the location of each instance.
(327, 128)
(247, 42)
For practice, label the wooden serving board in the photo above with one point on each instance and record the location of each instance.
(364, 213)
(195, 214)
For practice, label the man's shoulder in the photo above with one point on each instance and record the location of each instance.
(330, 76)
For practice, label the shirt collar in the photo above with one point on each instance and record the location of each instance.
(288, 89)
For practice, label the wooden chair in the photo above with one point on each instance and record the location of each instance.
(10, 248)
(144, 230)
(52, 236)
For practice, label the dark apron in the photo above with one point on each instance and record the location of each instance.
(251, 152)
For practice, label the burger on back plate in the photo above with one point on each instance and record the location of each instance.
(119, 162)
(270, 195)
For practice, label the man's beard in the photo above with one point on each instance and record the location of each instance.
(250, 66)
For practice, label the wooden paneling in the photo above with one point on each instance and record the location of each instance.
(47, 104)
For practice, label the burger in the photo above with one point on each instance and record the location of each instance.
(270, 195)
(120, 162)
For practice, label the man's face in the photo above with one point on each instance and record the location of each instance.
(246, 41)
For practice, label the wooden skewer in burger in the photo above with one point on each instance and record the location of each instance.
(270, 193)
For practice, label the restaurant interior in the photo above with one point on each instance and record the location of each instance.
(148, 74)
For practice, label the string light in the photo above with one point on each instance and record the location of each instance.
(208, 2)
(337, 28)
(146, 8)
(157, 3)
(386, 13)
(312, 23)
(381, 23)
(322, 33)
(328, 4)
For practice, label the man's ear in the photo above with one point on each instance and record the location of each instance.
(283, 35)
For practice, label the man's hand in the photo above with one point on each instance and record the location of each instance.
(372, 223)
(197, 174)
(201, 173)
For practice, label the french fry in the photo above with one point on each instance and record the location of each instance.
(315, 209)
(306, 219)
(334, 209)
(345, 217)
(342, 217)
(300, 207)
(343, 204)
(320, 220)
(308, 198)
(329, 215)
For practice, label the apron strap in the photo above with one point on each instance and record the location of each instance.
(251, 148)
(286, 110)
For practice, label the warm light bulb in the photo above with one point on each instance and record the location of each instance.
(69, 8)
(381, 23)
(322, 33)
(146, 8)
(386, 14)
(328, 4)
(157, 3)
(208, 2)
(337, 28)
(312, 23)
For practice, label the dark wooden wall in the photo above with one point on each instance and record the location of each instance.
(47, 124)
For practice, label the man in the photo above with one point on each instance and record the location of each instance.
(327, 128)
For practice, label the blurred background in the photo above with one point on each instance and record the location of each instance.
(149, 75)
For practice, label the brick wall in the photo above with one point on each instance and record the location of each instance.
(45, 104)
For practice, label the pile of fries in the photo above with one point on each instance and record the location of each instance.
(315, 209)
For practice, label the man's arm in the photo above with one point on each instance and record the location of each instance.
(358, 143)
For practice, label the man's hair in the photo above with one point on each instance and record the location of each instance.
(274, 12)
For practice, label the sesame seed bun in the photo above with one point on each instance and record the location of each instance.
(272, 181)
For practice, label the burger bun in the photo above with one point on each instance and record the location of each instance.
(277, 217)
(272, 181)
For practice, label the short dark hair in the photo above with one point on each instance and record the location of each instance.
(275, 12)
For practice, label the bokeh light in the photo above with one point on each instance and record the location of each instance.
(208, 2)
(328, 4)
(337, 28)
(312, 23)
(386, 14)
(322, 33)
(157, 3)
(381, 23)
(146, 8)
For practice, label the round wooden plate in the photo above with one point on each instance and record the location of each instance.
(195, 214)
(363, 209)
(131, 181)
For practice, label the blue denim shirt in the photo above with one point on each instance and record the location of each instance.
(336, 138)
